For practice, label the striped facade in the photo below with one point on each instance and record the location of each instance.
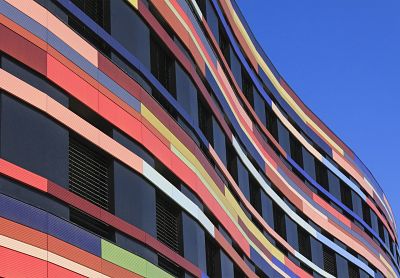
(146, 138)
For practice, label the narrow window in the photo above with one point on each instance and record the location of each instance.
(354, 272)
(304, 240)
(213, 258)
(345, 192)
(296, 150)
(224, 44)
(205, 120)
(321, 174)
(279, 221)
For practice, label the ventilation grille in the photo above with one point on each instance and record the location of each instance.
(91, 224)
(329, 261)
(89, 174)
(93, 8)
(169, 266)
(168, 223)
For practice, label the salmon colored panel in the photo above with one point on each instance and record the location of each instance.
(16, 264)
(119, 117)
(73, 121)
(72, 39)
(72, 83)
(331, 210)
(23, 32)
(22, 233)
(13, 171)
(21, 49)
(115, 271)
(58, 271)
(73, 253)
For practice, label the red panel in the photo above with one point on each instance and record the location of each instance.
(73, 253)
(22, 50)
(24, 176)
(119, 117)
(58, 271)
(152, 143)
(23, 233)
(72, 83)
(113, 270)
(16, 264)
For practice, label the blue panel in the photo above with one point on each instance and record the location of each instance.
(23, 213)
(74, 235)
(262, 264)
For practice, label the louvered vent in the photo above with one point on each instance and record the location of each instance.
(91, 224)
(354, 272)
(169, 266)
(329, 261)
(168, 223)
(89, 173)
(93, 8)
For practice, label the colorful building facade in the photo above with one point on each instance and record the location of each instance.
(155, 138)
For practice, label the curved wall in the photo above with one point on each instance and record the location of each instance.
(156, 139)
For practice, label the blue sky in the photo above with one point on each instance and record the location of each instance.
(342, 57)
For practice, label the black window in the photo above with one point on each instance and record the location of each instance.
(205, 120)
(162, 65)
(255, 195)
(247, 87)
(279, 221)
(305, 245)
(137, 39)
(366, 213)
(321, 174)
(213, 258)
(345, 193)
(89, 172)
(31, 140)
(224, 44)
(329, 260)
(219, 142)
(170, 266)
(296, 150)
(91, 224)
(97, 10)
(354, 271)
(169, 223)
(272, 124)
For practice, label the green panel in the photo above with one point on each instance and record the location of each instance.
(131, 262)
(123, 258)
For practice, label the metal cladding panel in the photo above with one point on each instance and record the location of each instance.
(58, 271)
(22, 213)
(74, 235)
(16, 264)
(123, 258)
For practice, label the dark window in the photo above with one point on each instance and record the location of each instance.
(219, 143)
(170, 266)
(329, 260)
(255, 195)
(169, 223)
(308, 163)
(162, 65)
(226, 265)
(97, 10)
(224, 44)
(194, 242)
(375, 225)
(243, 179)
(296, 151)
(316, 252)
(272, 124)
(135, 199)
(236, 67)
(283, 135)
(91, 224)
(267, 209)
(137, 39)
(202, 6)
(357, 205)
(345, 193)
(213, 258)
(247, 87)
(334, 185)
(291, 232)
(89, 173)
(259, 107)
(205, 120)
(186, 93)
(33, 141)
(321, 174)
(354, 271)
(279, 221)
(366, 213)
(212, 19)
(305, 245)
